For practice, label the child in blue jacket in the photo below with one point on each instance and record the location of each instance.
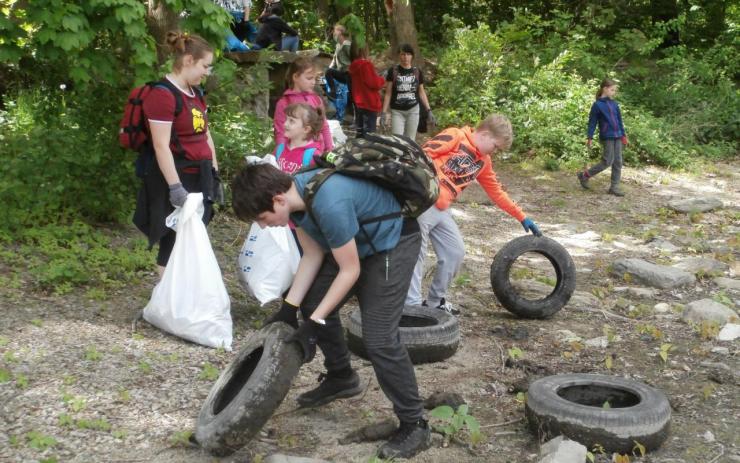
(605, 112)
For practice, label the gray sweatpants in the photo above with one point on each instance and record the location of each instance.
(405, 122)
(440, 228)
(612, 148)
(380, 290)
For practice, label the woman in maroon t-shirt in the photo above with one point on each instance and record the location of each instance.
(193, 142)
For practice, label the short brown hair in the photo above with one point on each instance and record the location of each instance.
(311, 117)
(182, 44)
(254, 187)
(500, 127)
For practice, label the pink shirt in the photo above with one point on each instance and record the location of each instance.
(289, 97)
(290, 160)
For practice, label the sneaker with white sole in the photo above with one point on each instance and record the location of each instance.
(444, 305)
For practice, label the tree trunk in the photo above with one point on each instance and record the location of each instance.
(402, 28)
(160, 19)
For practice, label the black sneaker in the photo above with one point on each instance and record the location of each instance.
(409, 439)
(583, 180)
(329, 389)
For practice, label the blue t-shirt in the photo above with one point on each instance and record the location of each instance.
(340, 205)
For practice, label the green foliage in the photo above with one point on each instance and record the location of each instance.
(542, 71)
(454, 422)
(208, 373)
(39, 441)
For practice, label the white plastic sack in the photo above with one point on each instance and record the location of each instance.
(191, 300)
(337, 134)
(268, 262)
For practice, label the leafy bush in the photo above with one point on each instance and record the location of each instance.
(543, 73)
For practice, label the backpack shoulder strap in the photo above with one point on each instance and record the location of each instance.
(312, 187)
(279, 151)
(165, 83)
(307, 156)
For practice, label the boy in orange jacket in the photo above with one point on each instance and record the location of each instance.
(460, 155)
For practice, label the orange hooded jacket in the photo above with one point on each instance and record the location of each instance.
(458, 163)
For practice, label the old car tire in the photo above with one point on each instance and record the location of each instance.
(249, 390)
(573, 405)
(430, 335)
(508, 296)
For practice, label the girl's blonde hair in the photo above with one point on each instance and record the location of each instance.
(604, 84)
(313, 118)
(299, 66)
(182, 44)
(500, 127)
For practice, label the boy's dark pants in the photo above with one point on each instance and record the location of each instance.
(381, 302)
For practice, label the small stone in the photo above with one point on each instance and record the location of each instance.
(729, 332)
(727, 283)
(720, 350)
(280, 458)
(701, 264)
(601, 342)
(705, 204)
(709, 310)
(561, 450)
(568, 336)
(662, 307)
(708, 436)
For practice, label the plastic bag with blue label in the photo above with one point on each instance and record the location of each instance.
(268, 262)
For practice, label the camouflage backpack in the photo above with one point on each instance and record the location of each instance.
(394, 162)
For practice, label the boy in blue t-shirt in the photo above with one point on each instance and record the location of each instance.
(342, 258)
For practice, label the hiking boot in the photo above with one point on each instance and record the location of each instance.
(444, 305)
(614, 190)
(407, 441)
(329, 389)
(583, 180)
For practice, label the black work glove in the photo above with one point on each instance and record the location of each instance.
(178, 194)
(288, 313)
(306, 336)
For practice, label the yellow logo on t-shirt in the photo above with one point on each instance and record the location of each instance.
(199, 122)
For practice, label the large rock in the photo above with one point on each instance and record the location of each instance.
(709, 310)
(695, 204)
(727, 283)
(658, 276)
(561, 450)
(701, 264)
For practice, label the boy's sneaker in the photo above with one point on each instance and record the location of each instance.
(614, 190)
(408, 440)
(329, 389)
(443, 305)
(583, 180)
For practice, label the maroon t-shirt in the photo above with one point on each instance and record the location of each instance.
(191, 124)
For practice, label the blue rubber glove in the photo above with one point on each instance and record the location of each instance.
(530, 226)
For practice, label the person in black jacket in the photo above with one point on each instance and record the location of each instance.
(272, 29)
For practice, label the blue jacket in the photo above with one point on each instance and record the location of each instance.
(605, 112)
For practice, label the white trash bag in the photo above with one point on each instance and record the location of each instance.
(191, 301)
(337, 134)
(268, 262)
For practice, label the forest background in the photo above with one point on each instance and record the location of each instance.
(66, 68)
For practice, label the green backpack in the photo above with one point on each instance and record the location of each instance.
(394, 162)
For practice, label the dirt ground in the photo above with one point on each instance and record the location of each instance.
(83, 387)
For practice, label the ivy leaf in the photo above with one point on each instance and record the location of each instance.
(472, 424)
